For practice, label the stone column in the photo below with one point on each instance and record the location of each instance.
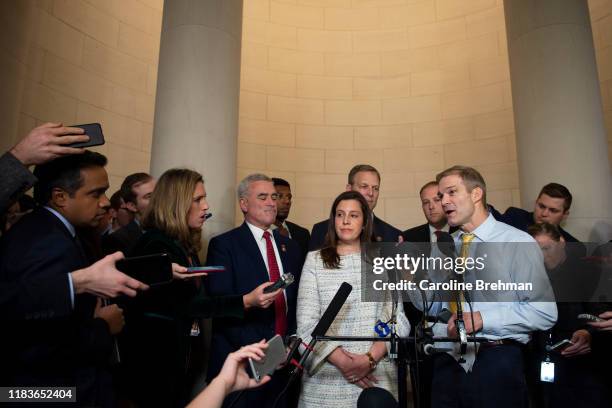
(557, 109)
(196, 110)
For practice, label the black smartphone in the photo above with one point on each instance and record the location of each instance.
(94, 131)
(153, 269)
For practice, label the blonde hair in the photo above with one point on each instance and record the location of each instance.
(168, 210)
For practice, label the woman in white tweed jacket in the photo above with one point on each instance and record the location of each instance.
(337, 372)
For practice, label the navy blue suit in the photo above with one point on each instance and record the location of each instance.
(237, 250)
(383, 232)
(523, 219)
(50, 347)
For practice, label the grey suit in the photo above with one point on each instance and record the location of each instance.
(16, 180)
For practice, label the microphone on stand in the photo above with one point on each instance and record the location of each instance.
(446, 244)
(320, 330)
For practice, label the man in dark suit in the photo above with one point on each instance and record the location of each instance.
(51, 293)
(68, 350)
(136, 192)
(551, 206)
(364, 179)
(252, 256)
(434, 214)
(283, 207)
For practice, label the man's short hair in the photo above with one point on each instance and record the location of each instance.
(64, 173)
(427, 185)
(243, 187)
(556, 190)
(116, 200)
(131, 181)
(280, 182)
(471, 178)
(359, 168)
(544, 228)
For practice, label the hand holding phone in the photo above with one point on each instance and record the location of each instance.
(153, 269)
(94, 131)
(275, 355)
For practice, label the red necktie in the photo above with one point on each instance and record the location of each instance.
(280, 324)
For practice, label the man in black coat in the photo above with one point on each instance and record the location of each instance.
(552, 206)
(283, 207)
(252, 255)
(69, 349)
(51, 292)
(136, 192)
(364, 179)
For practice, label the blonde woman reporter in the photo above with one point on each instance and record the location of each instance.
(163, 331)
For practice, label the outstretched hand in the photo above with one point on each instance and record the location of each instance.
(233, 373)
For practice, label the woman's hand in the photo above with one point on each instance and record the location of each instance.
(180, 272)
(353, 367)
(233, 373)
(359, 371)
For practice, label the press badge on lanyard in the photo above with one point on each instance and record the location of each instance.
(195, 329)
(547, 367)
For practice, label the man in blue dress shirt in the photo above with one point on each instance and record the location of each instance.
(492, 373)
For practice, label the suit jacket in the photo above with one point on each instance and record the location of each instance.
(68, 350)
(418, 234)
(16, 180)
(383, 232)
(300, 235)
(156, 346)
(123, 239)
(245, 270)
(522, 219)
(421, 233)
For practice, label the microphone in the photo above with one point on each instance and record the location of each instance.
(321, 328)
(429, 349)
(332, 310)
(207, 216)
(282, 282)
(446, 244)
(376, 397)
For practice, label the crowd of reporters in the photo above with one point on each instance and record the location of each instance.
(57, 272)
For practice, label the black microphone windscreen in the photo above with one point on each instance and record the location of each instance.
(446, 243)
(375, 397)
(332, 310)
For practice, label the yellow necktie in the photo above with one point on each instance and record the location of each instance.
(466, 240)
